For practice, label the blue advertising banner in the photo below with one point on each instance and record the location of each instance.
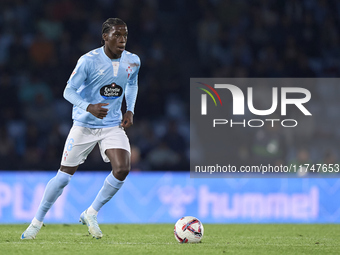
(164, 197)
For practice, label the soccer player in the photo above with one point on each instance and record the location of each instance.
(96, 89)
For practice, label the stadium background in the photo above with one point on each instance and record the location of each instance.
(40, 42)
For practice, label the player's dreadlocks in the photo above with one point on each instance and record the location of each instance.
(109, 23)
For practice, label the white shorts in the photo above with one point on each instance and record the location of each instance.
(81, 141)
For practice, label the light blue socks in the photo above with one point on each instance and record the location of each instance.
(53, 190)
(55, 186)
(110, 187)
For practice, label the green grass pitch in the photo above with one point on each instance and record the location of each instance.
(159, 239)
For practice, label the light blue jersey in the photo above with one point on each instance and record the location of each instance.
(98, 79)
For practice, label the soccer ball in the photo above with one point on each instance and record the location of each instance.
(188, 229)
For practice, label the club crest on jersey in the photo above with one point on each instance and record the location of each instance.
(129, 71)
(111, 91)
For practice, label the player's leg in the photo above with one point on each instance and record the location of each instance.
(120, 162)
(53, 190)
(115, 148)
(77, 147)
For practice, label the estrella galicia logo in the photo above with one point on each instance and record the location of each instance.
(111, 91)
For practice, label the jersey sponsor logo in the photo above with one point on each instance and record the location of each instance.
(111, 91)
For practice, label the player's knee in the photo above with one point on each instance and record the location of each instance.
(63, 179)
(120, 172)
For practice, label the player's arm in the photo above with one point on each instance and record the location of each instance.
(77, 78)
(130, 97)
